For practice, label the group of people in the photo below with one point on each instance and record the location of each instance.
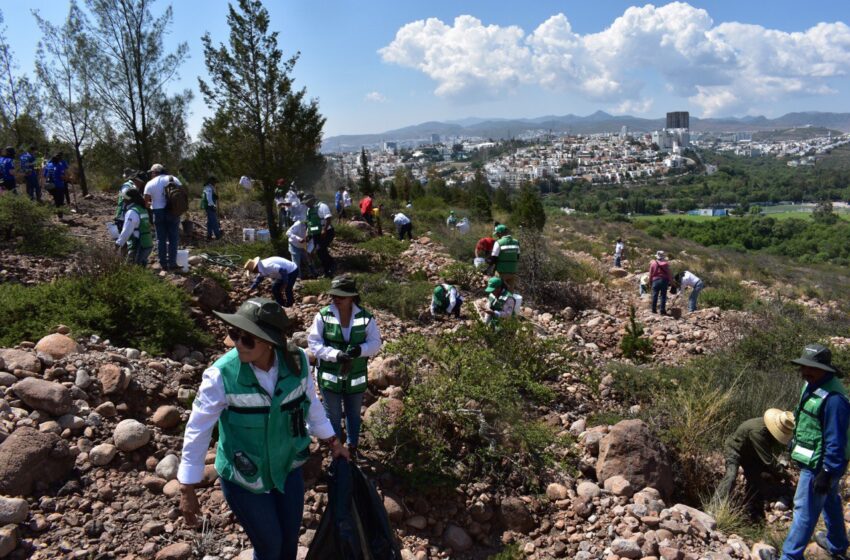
(310, 230)
(35, 171)
(660, 280)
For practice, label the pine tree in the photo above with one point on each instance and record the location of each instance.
(528, 210)
(366, 186)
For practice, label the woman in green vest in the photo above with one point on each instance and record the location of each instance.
(342, 338)
(136, 229)
(263, 399)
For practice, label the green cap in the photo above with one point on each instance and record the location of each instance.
(493, 284)
(343, 286)
(816, 356)
(260, 317)
(501, 229)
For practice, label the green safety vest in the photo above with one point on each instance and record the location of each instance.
(314, 223)
(441, 297)
(119, 212)
(508, 255)
(144, 229)
(204, 202)
(262, 437)
(808, 445)
(330, 375)
(497, 303)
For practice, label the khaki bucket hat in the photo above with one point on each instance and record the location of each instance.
(780, 424)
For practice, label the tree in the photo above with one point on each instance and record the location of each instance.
(19, 107)
(823, 213)
(62, 69)
(366, 186)
(528, 210)
(262, 127)
(130, 70)
(502, 197)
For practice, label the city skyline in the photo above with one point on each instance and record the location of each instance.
(382, 65)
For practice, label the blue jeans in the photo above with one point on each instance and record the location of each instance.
(167, 237)
(334, 403)
(618, 260)
(286, 283)
(139, 255)
(807, 509)
(272, 521)
(659, 287)
(213, 227)
(33, 187)
(692, 302)
(299, 257)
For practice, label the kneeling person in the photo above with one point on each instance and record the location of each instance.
(501, 303)
(446, 300)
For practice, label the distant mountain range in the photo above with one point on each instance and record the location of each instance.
(600, 121)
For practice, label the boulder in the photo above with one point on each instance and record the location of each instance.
(57, 345)
(457, 539)
(166, 417)
(20, 359)
(615, 272)
(8, 540)
(515, 515)
(29, 456)
(395, 511)
(631, 451)
(588, 490)
(53, 398)
(382, 416)
(619, 486)
(626, 548)
(210, 294)
(557, 491)
(130, 435)
(388, 369)
(112, 378)
(701, 517)
(13, 510)
(102, 454)
(176, 551)
(167, 467)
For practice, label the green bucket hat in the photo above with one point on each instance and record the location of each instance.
(493, 284)
(816, 356)
(261, 317)
(501, 229)
(343, 286)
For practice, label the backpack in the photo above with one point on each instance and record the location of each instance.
(176, 198)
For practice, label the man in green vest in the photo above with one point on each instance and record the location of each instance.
(500, 302)
(505, 255)
(136, 231)
(819, 447)
(263, 399)
(755, 446)
(446, 300)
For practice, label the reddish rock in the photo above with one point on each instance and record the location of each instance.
(632, 451)
(57, 345)
(20, 359)
(176, 551)
(51, 397)
(29, 456)
(112, 379)
(166, 417)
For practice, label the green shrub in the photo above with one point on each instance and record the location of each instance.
(345, 232)
(725, 298)
(510, 552)
(633, 344)
(129, 305)
(655, 231)
(404, 299)
(470, 405)
(385, 249)
(315, 287)
(207, 272)
(463, 275)
(21, 218)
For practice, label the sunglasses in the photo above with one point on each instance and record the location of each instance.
(236, 335)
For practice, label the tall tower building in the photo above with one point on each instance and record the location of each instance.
(678, 119)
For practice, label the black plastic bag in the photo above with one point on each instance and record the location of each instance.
(354, 525)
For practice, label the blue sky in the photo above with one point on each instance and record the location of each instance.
(378, 65)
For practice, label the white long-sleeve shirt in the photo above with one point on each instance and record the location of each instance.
(324, 212)
(400, 219)
(272, 267)
(298, 212)
(618, 249)
(507, 309)
(316, 339)
(689, 280)
(346, 199)
(208, 194)
(211, 401)
(297, 234)
(131, 226)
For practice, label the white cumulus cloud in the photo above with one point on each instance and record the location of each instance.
(721, 68)
(375, 97)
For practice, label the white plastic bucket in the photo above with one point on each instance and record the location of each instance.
(113, 230)
(248, 234)
(517, 303)
(183, 259)
(478, 262)
(263, 235)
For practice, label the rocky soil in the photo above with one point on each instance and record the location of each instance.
(91, 435)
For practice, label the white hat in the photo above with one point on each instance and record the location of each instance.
(157, 168)
(780, 424)
(661, 255)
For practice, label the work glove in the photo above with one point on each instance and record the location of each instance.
(343, 358)
(822, 482)
(354, 351)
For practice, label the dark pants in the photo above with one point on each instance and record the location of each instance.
(167, 237)
(33, 187)
(405, 229)
(286, 284)
(213, 227)
(323, 246)
(334, 403)
(59, 196)
(10, 184)
(139, 255)
(368, 218)
(659, 287)
(272, 521)
(757, 488)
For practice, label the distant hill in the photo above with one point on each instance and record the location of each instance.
(794, 133)
(598, 122)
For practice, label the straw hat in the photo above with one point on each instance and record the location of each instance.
(251, 265)
(780, 424)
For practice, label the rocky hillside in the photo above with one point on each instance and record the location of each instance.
(92, 433)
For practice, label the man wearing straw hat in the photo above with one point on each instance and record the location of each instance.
(755, 445)
(819, 447)
(284, 273)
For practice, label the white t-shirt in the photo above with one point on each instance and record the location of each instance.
(401, 220)
(689, 280)
(618, 249)
(297, 234)
(323, 211)
(346, 199)
(245, 182)
(273, 266)
(155, 188)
